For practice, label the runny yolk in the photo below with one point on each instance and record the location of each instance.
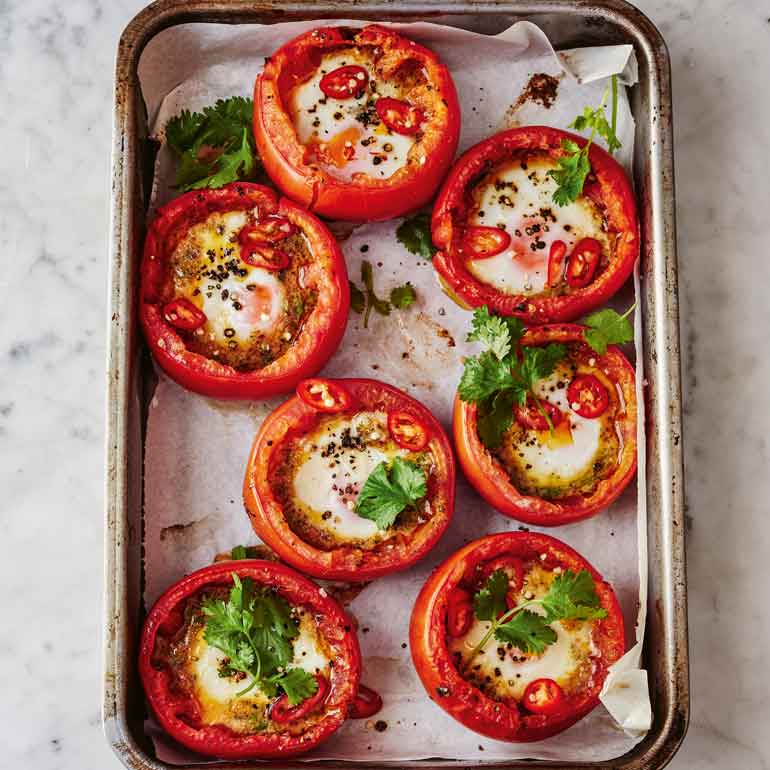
(342, 148)
(562, 435)
(259, 305)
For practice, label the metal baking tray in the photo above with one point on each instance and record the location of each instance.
(568, 23)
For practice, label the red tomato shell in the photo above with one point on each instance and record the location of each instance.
(459, 614)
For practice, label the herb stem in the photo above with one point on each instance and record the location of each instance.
(614, 124)
(542, 411)
(629, 311)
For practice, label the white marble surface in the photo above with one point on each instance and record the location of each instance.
(56, 64)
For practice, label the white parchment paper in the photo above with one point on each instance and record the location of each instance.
(196, 448)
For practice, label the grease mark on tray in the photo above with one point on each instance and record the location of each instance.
(180, 529)
(541, 89)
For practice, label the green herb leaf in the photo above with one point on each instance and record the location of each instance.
(297, 683)
(495, 416)
(214, 146)
(489, 601)
(388, 491)
(372, 300)
(596, 120)
(357, 298)
(528, 631)
(496, 332)
(483, 376)
(572, 597)
(414, 234)
(402, 297)
(606, 327)
(573, 168)
(537, 363)
(239, 552)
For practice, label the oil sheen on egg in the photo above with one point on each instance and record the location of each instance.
(519, 195)
(328, 482)
(358, 147)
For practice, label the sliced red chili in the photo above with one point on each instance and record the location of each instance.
(182, 314)
(282, 711)
(366, 703)
(345, 82)
(587, 396)
(257, 251)
(556, 262)
(399, 116)
(268, 230)
(407, 431)
(583, 262)
(513, 568)
(459, 612)
(530, 416)
(324, 395)
(480, 242)
(543, 696)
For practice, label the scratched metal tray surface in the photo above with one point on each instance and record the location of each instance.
(568, 23)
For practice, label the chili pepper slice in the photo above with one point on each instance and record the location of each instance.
(366, 703)
(345, 82)
(407, 431)
(543, 696)
(587, 396)
(556, 262)
(324, 395)
(399, 116)
(282, 712)
(480, 242)
(583, 262)
(529, 416)
(459, 612)
(269, 230)
(182, 314)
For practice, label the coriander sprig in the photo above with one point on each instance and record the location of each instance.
(571, 596)
(391, 489)
(254, 628)
(415, 236)
(401, 297)
(607, 327)
(505, 374)
(574, 166)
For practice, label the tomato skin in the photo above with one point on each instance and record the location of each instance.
(399, 116)
(324, 395)
(407, 431)
(282, 712)
(366, 703)
(543, 696)
(583, 262)
(587, 396)
(182, 314)
(346, 562)
(322, 330)
(213, 740)
(436, 667)
(345, 82)
(450, 212)
(492, 482)
(481, 242)
(529, 416)
(363, 200)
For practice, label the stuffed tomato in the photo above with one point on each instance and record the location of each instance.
(250, 660)
(356, 124)
(547, 433)
(514, 634)
(350, 479)
(243, 294)
(505, 242)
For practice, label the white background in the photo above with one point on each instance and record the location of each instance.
(56, 69)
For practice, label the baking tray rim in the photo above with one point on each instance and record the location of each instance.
(670, 610)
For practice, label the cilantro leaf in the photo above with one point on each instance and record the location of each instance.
(606, 327)
(573, 168)
(214, 146)
(387, 492)
(297, 683)
(495, 416)
(572, 597)
(357, 298)
(239, 552)
(414, 234)
(597, 121)
(537, 363)
(483, 376)
(496, 332)
(489, 602)
(402, 297)
(526, 630)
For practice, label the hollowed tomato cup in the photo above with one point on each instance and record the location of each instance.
(270, 275)
(510, 718)
(310, 460)
(487, 473)
(355, 153)
(505, 243)
(174, 699)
